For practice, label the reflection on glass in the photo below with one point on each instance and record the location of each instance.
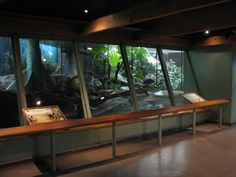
(148, 78)
(8, 104)
(50, 76)
(105, 77)
(175, 64)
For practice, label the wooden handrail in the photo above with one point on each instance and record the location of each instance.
(125, 122)
(68, 124)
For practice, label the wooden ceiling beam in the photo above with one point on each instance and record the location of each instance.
(214, 41)
(118, 37)
(150, 11)
(212, 18)
(44, 28)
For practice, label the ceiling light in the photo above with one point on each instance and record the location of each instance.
(207, 32)
(38, 103)
(86, 11)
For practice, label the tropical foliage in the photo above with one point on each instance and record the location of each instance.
(108, 70)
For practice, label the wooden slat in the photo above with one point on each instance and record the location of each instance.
(68, 124)
(213, 41)
(146, 12)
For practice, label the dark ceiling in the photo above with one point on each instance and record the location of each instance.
(69, 9)
(187, 24)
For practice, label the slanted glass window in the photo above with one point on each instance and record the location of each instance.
(8, 97)
(105, 78)
(174, 60)
(148, 78)
(50, 76)
(6, 63)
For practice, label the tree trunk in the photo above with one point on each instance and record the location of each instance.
(119, 65)
(35, 74)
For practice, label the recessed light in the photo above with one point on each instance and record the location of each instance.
(38, 103)
(207, 32)
(86, 11)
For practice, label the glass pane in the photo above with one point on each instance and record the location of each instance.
(148, 78)
(6, 63)
(50, 75)
(175, 66)
(105, 79)
(8, 107)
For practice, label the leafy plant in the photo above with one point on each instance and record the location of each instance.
(108, 67)
(174, 74)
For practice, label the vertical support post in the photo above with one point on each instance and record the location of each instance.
(180, 122)
(34, 147)
(159, 131)
(53, 151)
(19, 78)
(113, 139)
(129, 78)
(193, 73)
(182, 70)
(82, 84)
(166, 77)
(221, 115)
(194, 122)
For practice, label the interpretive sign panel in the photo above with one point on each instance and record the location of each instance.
(43, 114)
(193, 97)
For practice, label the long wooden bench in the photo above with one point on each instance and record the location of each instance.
(111, 120)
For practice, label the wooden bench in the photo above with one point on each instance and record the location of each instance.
(113, 121)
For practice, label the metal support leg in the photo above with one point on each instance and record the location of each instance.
(181, 123)
(221, 116)
(113, 139)
(53, 151)
(194, 122)
(159, 131)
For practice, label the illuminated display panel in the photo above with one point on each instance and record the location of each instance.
(43, 114)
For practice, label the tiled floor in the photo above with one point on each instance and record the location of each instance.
(211, 154)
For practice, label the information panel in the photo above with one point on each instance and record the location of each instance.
(193, 97)
(43, 114)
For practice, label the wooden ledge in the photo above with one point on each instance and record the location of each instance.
(82, 123)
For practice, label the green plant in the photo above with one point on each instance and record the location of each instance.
(108, 67)
(107, 64)
(174, 74)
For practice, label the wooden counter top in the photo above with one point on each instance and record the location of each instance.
(68, 124)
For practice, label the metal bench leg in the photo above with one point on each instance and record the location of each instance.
(221, 116)
(194, 122)
(159, 131)
(113, 139)
(53, 151)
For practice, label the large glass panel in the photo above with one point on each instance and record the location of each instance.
(105, 78)
(50, 75)
(8, 97)
(148, 78)
(175, 64)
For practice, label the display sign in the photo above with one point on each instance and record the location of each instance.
(43, 114)
(193, 97)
